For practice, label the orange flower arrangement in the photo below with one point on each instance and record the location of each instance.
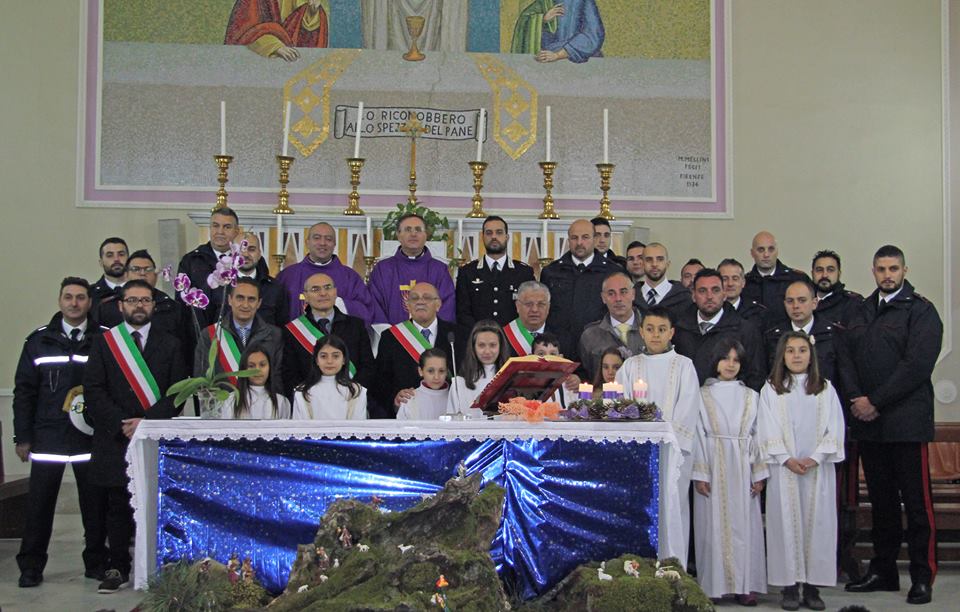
(532, 411)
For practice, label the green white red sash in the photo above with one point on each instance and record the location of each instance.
(308, 334)
(519, 338)
(228, 353)
(410, 338)
(133, 366)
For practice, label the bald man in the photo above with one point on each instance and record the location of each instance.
(398, 353)
(321, 257)
(575, 282)
(767, 282)
(273, 296)
(322, 317)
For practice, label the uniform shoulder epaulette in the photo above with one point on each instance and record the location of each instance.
(758, 304)
(519, 263)
(104, 328)
(37, 331)
(921, 298)
(852, 294)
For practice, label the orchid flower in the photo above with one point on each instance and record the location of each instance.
(182, 282)
(195, 298)
(165, 272)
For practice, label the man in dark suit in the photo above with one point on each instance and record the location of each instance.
(273, 296)
(242, 327)
(128, 373)
(486, 286)
(200, 262)
(656, 290)
(400, 346)
(322, 317)
(887, 354)
(113, 260)
(768, 280)
(801, 303)
(835, 303)
(701, 326)
(731, 271)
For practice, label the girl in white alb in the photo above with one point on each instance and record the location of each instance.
(329, 392)
(486, 353)
(801, 434)
(429, 400)
(255, 397)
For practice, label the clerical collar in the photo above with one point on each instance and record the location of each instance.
(805, 329)
(418, 256)
(503, 261)
(736, 305)
(713, 321)
(586, 262)
(887, 298)
(320, 264)
(67, 328)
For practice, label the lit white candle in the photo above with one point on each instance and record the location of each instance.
(286, 128)
(606, 140)
(368, 252)
(481, 133)
(639, 389)
(546, 249)
(459, 237)
(548, 134)
(356, 140)
(223, 127)
(279, 234)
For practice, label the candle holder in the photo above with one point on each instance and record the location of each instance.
(223, 163)
(476, 212)
(368, 262)
(353, 207)
(283, 197)
(544, 262)
(548, 211)
(280, 259)
(606, 171)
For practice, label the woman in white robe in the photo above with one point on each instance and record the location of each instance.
(801, 435)
(329, 392)
(429, 401)
(260, 401)
(487, 351)
(728, 476)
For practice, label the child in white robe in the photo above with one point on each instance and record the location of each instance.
(548, 344)
(329, 392)
(728, 476)
(487, 351)
(673, 385)
(801, 433)
(255, 397)
(430, 399)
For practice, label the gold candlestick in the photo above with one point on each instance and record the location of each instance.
(476, 212)
(368, 262)
(606, 171)
(283, 197)
(223, 162)
(548, 211)
(353, 207)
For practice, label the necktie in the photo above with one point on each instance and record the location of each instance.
(624, 329)
(324, 325)
(136, 340)
(652, 297)
(581, 267)
(426, 336)
(496, 267)
(74, 335)
(705, 327)
(244, 335)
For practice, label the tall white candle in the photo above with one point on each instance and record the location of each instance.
(548, 134)
(606, 142)
(356, 140)
(223, 127)
(546, 249)
(481, 133)
(286, 128)
(368, 252)
(459, 236)
(280, 244)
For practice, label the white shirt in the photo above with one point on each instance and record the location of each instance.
(330, 401)
(426, 404)
(67, 328)
(144, 332)
(805, 329)
(887, 298)
(586, 262)
(259, 405)
(714, 320)
(661, 290)
(615, 324)
(111, 284)
(504, 262)
(463, 396)
(736, 305)
(252, 274)
(433, 330)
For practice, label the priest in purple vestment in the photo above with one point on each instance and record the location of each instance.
(412, 262)
(321, 244)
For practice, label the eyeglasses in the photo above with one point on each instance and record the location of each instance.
(132, 301)
(421, 298)
(142, 269)
(540, 305)
(318, 288)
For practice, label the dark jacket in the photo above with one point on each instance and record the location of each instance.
(273, 297)
(261, 333)
(110, 399)
(676, 300)
(822, 334)
(352, 330)
(700, 348)
(169, 316)
(50, 366)
(396, 369)
(751, 310)
(888, 355)
(574, 295)
(617, 259)
(839, 306)
(601, 335)
(100, 291)
(198, 264)
(769, 290)
(485, 294)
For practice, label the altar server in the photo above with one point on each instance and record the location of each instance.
(728, 475)
(801, 434)
(329, 392)
(672, 384)
(429, 400)
(486, 353)
(256, 397)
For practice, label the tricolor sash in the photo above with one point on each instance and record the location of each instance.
(228, 353)
(308, 334)
(519, 338)
(410, 338)
(133, 366)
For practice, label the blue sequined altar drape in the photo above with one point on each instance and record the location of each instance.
(567, 501)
